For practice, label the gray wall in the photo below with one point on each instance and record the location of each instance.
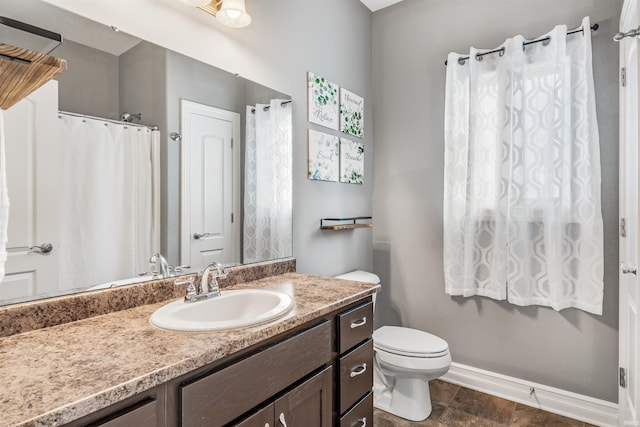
(90, 83)
(571, 349)
(331, 38)
(143, 75)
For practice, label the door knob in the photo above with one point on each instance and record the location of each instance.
(199, 236)
(626, 269)
(44, 248)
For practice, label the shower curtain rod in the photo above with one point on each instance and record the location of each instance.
(117, 122)
(501, 51)
(266, 107)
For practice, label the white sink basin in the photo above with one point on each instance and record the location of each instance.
(232, 309)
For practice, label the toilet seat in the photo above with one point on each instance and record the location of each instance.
(409, 342)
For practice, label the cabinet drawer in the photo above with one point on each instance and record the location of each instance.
(142, 415)
(220, 397)
(356, 375)
(360, 415)
(355, 326)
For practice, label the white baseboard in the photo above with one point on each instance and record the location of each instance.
(561, 402)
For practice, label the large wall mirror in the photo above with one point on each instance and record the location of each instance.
(134, 151)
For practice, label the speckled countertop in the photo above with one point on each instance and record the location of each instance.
(55, 375)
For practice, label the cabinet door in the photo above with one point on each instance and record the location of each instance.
(263, 418)
(308, 405)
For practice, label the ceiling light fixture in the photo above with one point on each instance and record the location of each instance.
(232, 13)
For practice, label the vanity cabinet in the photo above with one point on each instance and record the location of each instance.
(319, 374)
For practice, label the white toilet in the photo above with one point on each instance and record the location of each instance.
(405, 360)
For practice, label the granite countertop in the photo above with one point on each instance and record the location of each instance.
(55, 375)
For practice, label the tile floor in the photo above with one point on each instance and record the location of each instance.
(458, 406)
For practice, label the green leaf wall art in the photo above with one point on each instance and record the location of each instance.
(351, 161)
(351, 113)
(324, 156)
(324, 108)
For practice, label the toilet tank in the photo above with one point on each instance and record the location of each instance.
(362, 276)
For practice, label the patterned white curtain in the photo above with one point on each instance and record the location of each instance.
(109, 200)
(522, 213)
(268, 182)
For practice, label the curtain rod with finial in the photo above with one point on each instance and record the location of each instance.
(501, 51)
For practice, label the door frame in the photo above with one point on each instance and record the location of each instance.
(629, 12)
(186, 108)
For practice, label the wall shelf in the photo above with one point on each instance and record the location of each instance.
(348, 223)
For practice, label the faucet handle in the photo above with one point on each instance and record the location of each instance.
(178, 269)
(222, 273)
(158, 265)
(192, 292)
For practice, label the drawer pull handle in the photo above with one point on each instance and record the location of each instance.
(358, 323)
(358, 370)
(362, 421)
(282, 420)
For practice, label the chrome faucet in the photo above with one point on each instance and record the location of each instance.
(164, 266)
(165, 270)
(209, 286)
(209, 280)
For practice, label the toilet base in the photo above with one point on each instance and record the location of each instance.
(409, 399)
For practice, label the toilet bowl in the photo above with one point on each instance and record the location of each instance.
(405, 360)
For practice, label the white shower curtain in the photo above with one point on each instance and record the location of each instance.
(522, 214)
(268, 182)
(109, 201)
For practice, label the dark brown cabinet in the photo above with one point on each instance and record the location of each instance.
(355, 366)
(361, 415)
(146, 409)
(222, 396)
(143, 415)
(308, 404)
(319, 374)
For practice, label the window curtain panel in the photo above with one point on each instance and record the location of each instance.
(522, 210)
(268, 182)
(110, 205)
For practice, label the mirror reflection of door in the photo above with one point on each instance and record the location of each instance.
(31, 132)
(210, 185)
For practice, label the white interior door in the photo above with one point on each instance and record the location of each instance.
(31, 149)
(629, 327)
(210, 185)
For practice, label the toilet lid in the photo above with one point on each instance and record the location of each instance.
(409, 342)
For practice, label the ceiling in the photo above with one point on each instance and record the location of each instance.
(72, 27)
(374, 5)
